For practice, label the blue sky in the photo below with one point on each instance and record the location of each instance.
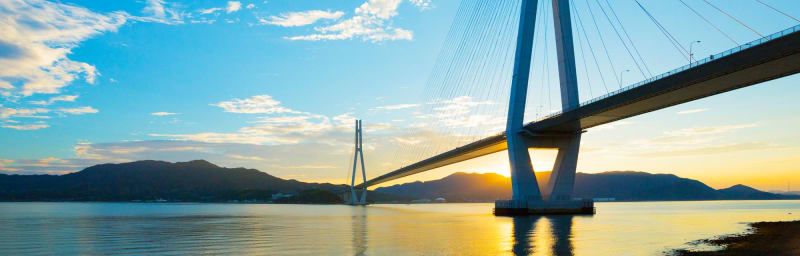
(274, 85)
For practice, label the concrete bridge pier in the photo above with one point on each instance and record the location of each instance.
(556, 197)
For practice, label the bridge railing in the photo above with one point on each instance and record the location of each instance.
(710, 58)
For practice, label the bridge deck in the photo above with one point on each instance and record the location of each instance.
(769, 58)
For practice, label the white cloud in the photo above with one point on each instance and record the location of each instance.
(22, 112)
(296, 19)
(396, 107)
(210, 10)
(37, 38)
(422, 4)
(5, 85)
(259, 104)
(251, 6)
(276, 130)
(164, 114)
(233, 6)
(158, 11)
(64, 98)
(611, 126)
(371, 22)
(78, 110)
(709, 130)
(692, 111)
(25, 127)
(4, 163)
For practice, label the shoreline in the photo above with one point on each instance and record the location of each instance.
(448, 202)
(761, 238)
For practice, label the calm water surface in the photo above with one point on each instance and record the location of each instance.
(650, 228)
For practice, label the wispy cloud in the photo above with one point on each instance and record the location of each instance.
(161, 12)
(710, 150)
(78, 110)
(296, 19)
(210, 10)
(692, 111)
(64, 98)
(25, 127)
(164, 114)
(710, 130)
(22, 112)
(259, 104)
(396, 107)
(422, 4)
(370, 22)
(266, 131)
(37, 38)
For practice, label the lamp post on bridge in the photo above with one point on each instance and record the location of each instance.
(691, 54)
(620, 76)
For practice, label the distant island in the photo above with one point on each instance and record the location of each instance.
(201, 181)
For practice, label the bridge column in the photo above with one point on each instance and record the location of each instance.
(523, 181)
(562, 178)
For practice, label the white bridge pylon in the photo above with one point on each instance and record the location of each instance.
(767, 58)
(525, 188)
(355, 199)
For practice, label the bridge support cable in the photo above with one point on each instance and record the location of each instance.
(486, 70)
(733, 18)
(779, 11)
(453, 71)
(582, 57)
(591, 49)
(546, 82)
(625, 31)
(624, 43)
(473, 71)
(603, 42)
(539, 44)
(675, 43)
(495, 57)
(465, 78)
(444, 61)
(709, 23)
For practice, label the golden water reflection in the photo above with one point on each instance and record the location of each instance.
(642, 228)
(534, 235)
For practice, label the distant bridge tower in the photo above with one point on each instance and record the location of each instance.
(359, 154)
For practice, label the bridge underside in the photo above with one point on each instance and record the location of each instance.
(770, 60)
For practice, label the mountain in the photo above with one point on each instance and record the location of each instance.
(641, 186)
(201, 181)
(740, 191)
(196, 180)
(623, 186)
(458, 187)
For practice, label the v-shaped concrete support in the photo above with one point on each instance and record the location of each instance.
(562, 179)
(525, 189)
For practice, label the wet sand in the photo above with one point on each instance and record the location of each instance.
(763, 238)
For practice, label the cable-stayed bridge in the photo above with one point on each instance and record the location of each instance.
(766, 58)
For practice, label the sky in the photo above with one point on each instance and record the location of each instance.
(275, 85)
